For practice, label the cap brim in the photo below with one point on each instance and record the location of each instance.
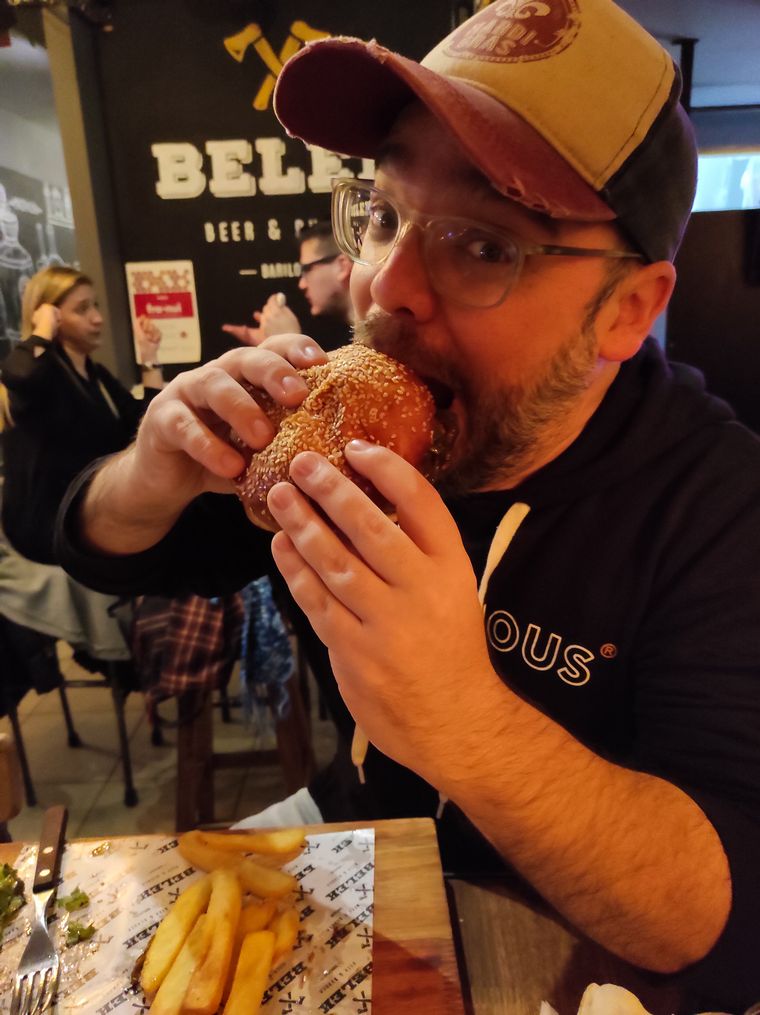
(345, 94)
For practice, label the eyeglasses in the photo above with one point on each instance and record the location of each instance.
(468, 262)
(306, 268)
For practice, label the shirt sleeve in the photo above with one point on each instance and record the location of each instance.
(28, 376)
(212, 550)
(728, 978)
(698, 708)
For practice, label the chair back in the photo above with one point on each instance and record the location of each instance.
(11, 790)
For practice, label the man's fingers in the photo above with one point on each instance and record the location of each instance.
(268, 370)
(420, 511)
(301, 350)
(177, 427)
(330, 619)
(375, 538)
(216, 392)
(343, 574)
(213, 397)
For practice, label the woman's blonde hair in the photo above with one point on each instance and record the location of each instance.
(6, 420)
(51, 285)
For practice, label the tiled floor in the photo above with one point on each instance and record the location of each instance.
(88, 779)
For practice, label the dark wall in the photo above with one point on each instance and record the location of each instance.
(167, 77)
(714, 318)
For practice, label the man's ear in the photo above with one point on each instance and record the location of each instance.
(345, 264)
(627, 317)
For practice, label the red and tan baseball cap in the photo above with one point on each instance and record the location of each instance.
(567, 106)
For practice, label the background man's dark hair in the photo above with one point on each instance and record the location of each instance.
(321, 231)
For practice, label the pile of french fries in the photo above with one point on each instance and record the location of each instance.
(215, 948)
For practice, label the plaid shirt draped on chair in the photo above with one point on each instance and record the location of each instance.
(186, 643)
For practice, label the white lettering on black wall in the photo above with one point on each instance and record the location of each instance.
(181, 175)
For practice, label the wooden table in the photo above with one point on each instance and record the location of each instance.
(517, 953)
(414, 961)
(513, 952)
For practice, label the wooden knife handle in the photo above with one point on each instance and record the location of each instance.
(50, 849)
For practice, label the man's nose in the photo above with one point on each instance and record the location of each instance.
(302, 282)
(401, 282)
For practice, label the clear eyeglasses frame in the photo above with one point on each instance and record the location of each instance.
(470, 263)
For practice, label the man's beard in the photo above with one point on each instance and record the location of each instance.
(507, 428)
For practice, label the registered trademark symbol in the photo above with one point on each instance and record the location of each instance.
(608, 651)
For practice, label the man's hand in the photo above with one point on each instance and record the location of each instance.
(148, 338)
(274, 319)
(182, 447)
(396, 605)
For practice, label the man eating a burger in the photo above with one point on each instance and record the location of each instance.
(556, 648)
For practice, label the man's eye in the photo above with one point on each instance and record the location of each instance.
(490, 250)
(382, 217)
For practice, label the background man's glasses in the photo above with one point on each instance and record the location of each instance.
(306, 268)
(468, 262)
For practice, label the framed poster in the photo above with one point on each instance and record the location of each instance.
(164, 292)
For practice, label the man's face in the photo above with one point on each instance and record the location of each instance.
(525, 375)
(322, 284)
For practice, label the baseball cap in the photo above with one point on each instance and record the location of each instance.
(569, 107)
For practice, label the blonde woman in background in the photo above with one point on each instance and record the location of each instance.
(64, 409)
(60, 411)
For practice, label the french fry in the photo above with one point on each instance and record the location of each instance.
(287, 841)
(257, 916)
(252, 918)
(205, 857)
(251, 974)
(285, 929)
(204, 991)
(171, 994)
(266, 882)
(172, 933)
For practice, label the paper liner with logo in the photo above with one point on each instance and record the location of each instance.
(132, 882)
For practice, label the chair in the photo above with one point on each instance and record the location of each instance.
(116, 676)
(185, 649)
(11, 795)
(197, 761)
(28, 661)
(43, 601)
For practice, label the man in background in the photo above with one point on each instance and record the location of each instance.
(325, 275)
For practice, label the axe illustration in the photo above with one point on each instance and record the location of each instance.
(252, 35)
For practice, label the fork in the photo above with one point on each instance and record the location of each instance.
(37, 975)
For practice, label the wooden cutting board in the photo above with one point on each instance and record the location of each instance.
(414, 962)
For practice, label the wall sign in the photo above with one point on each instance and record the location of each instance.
(202, 169)
(164, 292)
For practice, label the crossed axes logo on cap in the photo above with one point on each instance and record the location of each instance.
(252, 35)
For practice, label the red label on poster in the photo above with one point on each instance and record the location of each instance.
(163, 306)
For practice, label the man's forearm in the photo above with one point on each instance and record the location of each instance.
(118, 516)
(627, 858)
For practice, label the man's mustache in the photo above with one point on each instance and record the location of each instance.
(391, 335)
(398, 337)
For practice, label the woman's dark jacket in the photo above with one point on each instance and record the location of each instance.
(61, 423)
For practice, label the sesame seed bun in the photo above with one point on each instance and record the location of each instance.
(358, 393)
